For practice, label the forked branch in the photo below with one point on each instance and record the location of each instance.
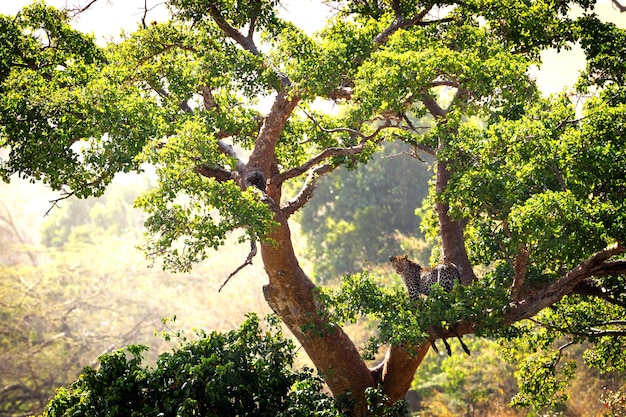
(245, 42)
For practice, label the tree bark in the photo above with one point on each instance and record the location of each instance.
(290, 293)
(397, 370)
(451, 231)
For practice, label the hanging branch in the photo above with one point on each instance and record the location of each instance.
(248, 261)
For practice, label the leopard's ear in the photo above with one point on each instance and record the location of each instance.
(404, 257)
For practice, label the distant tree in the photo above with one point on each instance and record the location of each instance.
(534, 191)
(61, 309)
(360, 216)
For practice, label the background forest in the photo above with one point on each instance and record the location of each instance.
(517, 168)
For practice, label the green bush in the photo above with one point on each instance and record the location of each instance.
(244, 372)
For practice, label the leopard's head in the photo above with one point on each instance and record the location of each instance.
(400, 263)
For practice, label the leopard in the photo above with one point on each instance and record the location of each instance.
(419, 281)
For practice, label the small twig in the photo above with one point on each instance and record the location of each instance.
(55, 202)
(248, 261)
(75, 11)
(145, 14)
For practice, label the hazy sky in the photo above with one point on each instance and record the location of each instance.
(106, 18)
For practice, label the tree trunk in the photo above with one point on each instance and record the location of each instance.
(451, 231)
(397, 370)
(290, 293)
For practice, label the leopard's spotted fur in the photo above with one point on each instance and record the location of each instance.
(420, 280)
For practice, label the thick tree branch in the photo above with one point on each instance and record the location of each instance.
(395, 373)
(619, 6)
(306, 192)
(433, 107)
(595, 265)
(589, 288)
(290, 293)
(263, 156)
(334, 151)
(520, 266)
(245, 42)
(451, 231)
(229, 151)
(213, 171)
(317, 159)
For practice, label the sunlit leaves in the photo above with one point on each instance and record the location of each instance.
(189, 213)
(42, 103)
(604, 45)
(237, 13)
(405, 323)
(247, 371)
(465, 58)
(542, 380)
(551, 223)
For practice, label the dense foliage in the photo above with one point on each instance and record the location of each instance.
(244, 372)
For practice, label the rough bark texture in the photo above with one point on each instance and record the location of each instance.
(451, 231)
(595, 265)
(395, 373)
(290, 293)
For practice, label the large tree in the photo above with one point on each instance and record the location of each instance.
(522, 184)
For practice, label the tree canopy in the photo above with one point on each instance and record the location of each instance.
(531, 187)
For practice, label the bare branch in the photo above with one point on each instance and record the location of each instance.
(75, 11)
(400, 23)
(335, 151)
(433, 107)
(319, 158)
(67, 194)
(248, 261)
(213, 171)
(306, 192)
(184, 106)
(145, 14)
(440, 82)
(619, 6)
(229, 151)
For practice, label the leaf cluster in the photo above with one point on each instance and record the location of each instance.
(402, 322)
(241, 372)
(248, 371)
